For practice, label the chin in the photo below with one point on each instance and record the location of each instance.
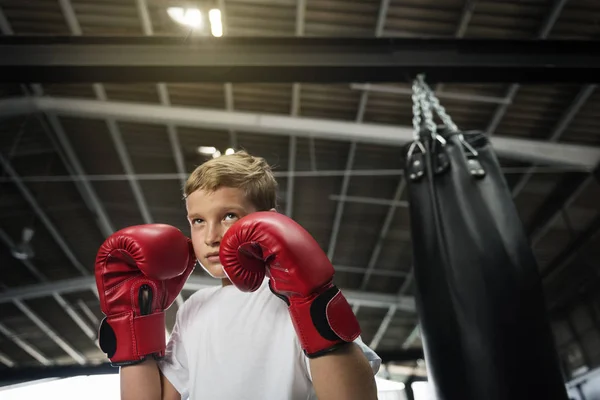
(214, 270)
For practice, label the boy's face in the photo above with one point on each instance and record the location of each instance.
(210, 214)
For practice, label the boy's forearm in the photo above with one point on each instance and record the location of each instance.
(141, 381)
(343, 374)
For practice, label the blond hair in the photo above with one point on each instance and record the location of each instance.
(239, 170)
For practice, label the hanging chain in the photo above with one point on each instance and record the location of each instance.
(426, 107)
(416, 99)
(416, 107)
(440, 110)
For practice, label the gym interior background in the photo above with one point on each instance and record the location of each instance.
(105, 142)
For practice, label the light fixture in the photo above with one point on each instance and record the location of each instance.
(191, 17)
(216, 26)
(229, 151)
(207, 150)
(216, 154)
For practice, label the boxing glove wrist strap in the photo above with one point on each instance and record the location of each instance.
(323, 322)
(129, 339)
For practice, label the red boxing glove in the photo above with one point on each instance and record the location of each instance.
(140, 270)
(301, 275)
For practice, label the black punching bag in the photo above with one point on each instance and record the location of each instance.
(484, 323)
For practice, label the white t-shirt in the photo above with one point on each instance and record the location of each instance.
(227, 344)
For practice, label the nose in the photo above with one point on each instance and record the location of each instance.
(213, 235)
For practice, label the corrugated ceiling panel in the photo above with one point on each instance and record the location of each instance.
(475, 89)
(119, 203)
(273, 148)
(62, 324)
(536, 110)
(260, 19)
(398, 330)
(272, 98)
(341, 18)
(49, 258)
(108, 17)
(13, 273)
(35, 17)
(313, 209)
(89, 300)
(330, 154)
(389, 108)
(553, 242)
(69, 90)
(370, 320)
(192, 138)
(93, 145)
(418, 17)
(23, 136)
(209, 95)
(25, 329)
(12, 317)
(384, 284)
(329, 101)
(97, 153)
(508, 19)
(533, 196)
(578, 20)
(358, 233)
(585, 127)
(148, 147)
(132, 92)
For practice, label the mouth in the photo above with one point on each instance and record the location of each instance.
(213, 257)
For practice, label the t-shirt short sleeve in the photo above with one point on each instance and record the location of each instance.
(372, 357)
(174, 366)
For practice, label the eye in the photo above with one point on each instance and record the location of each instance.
(196, 221)
(230, 216)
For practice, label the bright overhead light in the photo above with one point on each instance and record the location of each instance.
(216, 154)
(216, 26)
(207, 150)
(186, 16)
(229, 151)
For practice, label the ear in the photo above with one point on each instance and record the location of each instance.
(273, 210)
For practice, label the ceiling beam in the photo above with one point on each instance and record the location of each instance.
(582, 156)
(261, 59)
(367, 299)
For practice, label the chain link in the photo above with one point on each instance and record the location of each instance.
(439, 109)
(416, 110)
(426, 108)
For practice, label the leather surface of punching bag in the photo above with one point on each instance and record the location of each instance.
(484, 324)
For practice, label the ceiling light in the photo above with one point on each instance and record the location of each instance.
(207, 150)
(216, 26)
(186, 16)
(229, 151)
(216, 154)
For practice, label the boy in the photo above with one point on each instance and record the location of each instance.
(227, 343)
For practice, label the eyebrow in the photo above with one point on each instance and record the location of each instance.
(224, 208)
